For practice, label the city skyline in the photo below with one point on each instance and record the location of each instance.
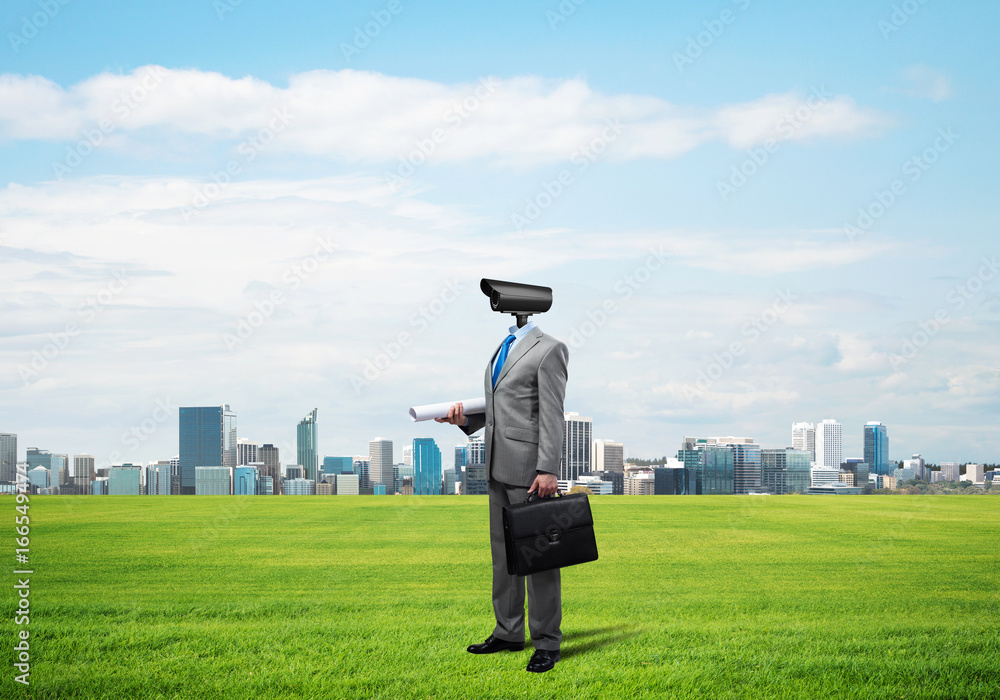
(750, 215)
(580, 440)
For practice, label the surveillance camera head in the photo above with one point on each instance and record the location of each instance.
(520, 300)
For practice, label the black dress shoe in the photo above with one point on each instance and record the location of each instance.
(493, 645)
(542, 660)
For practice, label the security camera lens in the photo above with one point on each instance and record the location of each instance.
(495, 300)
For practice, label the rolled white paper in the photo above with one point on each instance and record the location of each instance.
(440, 410)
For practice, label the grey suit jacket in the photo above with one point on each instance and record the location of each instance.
(524, 417)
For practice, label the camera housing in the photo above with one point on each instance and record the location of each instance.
(517, 299)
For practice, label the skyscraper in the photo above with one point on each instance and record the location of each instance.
(8, 457)
(476, 480)
(786, 470)
(338, 465)
(380, 462)
(307, 455)
(828, 444)
(269, 470)
(83, 473)
(426, 467)
(746, 462)
(804, 438)
(609, 456)
(459, 461)
(246, 452)
(710, 468)
(207, 439)
(577, 438)
(877, 447)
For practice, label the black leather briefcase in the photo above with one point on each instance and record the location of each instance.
(548, 533)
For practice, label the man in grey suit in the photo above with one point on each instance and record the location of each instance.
(524, 420)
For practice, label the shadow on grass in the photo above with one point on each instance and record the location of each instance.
(589, 640)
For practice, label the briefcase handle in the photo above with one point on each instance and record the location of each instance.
(533, 494)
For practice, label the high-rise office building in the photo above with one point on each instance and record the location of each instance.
(83, 473)
(207, 439)
(859, 470)
(577, 438)
(804, 438)
(246, 481)
(950, 471)
(785, 470)
(712, 466)
(828, 444)
(43, 458)
(608, 456)
(916, 463)
(476, 479)
(408, 455)
(307, 454)
(40, 478)
(213, 481)
(460, 453)
(877, 447)
(158, 478)
(125, 480)
(269, 470)
(8, 457)
(380, 462)
(246, 452)
(361, 468)
(746, 462)
(338, 465)
(426, 467)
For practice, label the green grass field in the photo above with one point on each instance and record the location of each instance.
(355, 597)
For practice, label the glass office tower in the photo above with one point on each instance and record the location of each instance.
(207, 439)
(426, 467)
(306, 453)
(877, 447)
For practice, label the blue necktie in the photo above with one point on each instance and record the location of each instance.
(501, 358)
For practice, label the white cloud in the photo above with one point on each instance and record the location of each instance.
(358, 116)
(928, 83)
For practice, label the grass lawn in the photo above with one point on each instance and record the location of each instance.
(355, 597)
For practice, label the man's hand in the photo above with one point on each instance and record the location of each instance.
(545, 485)
(455, 415)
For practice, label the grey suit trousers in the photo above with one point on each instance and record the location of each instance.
(544, 590)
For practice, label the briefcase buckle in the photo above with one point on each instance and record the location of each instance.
(553, 536)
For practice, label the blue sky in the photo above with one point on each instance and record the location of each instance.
(376, 171)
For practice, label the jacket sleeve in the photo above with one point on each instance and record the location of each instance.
(552, 373)
(476, 422)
